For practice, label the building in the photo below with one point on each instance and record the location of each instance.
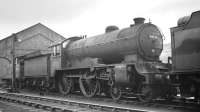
(34, 38)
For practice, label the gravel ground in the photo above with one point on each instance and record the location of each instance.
(9, 107)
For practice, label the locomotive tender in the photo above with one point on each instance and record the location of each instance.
(185, 43)
(115, 63)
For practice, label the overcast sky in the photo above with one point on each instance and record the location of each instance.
(90, 17)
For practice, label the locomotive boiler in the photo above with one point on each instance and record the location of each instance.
(140, 42)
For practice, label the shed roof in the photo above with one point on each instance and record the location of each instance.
(31, 27)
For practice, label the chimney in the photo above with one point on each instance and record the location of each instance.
(139, 20)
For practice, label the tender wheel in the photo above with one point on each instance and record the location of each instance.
(147, 93)
(65, 85)
(89, 86)
(115, 92)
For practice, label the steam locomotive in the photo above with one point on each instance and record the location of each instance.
(117, 63)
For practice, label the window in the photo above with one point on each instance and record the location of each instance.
(56, 50)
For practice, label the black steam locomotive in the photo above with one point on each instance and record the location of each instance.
(117, 63)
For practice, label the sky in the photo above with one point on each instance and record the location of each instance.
(91, 17)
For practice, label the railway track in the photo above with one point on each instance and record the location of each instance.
(173, 105)
(52, 103)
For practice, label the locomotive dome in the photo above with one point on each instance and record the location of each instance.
(111, 28)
